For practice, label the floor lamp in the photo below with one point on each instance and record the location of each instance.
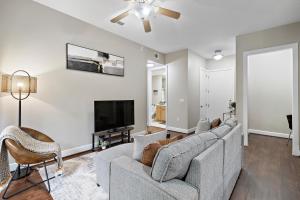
(20, 85)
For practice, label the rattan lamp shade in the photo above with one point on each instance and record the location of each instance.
(18, 83)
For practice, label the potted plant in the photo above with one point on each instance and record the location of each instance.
(103, 144)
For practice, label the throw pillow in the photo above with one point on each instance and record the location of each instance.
(141, 141)
(149, 153)
(202, 126)
(215, 123)
(151, 149)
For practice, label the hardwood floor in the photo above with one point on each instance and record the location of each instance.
(270, 172)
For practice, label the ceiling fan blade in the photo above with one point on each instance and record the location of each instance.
(119, 17)
(169, 13)
(147, 26)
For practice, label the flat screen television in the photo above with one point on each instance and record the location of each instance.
(111, 115)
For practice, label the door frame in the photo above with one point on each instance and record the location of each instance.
(149, 93)
(207, 71)
(295, 99)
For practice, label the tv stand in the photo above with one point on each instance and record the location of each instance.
(116, 135)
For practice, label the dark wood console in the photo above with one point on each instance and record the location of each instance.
(112, 137)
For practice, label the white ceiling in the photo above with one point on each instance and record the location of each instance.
(204, 26)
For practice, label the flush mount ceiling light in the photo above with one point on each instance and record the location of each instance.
(218, 55)
(144, 9)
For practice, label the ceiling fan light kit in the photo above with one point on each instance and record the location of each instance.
(144, 9)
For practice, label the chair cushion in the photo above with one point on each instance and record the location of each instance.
(173, 160)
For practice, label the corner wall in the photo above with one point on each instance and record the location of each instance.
(184, 89)
(177, 63)
(195, 62)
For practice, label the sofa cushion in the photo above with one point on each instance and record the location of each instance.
(173, 160)
(141, 141)
(104, 158)
(202, 126)
(232, 122)
(221, 131)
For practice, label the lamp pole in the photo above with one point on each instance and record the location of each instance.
(20, 106)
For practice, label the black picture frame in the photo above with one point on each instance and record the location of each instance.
(91, 60)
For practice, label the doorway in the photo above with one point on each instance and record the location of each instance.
(248, 103)
(157, 95)
(216, 93)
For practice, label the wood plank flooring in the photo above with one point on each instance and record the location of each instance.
(269, 173)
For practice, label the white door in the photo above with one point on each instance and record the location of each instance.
(221, 91)
(203, 94)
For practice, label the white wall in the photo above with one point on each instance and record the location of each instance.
(184, 89)
(33, 38)
(226, 62)
(195, 62)
(177, 63)
(270, 90)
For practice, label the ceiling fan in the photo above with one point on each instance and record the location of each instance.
(144, 9)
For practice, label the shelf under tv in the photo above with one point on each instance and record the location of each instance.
(120, 135)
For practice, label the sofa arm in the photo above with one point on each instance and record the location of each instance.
(206, 172)
(130, 179)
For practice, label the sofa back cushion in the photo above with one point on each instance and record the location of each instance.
(202, 126)
(173, 160)
(151, 149)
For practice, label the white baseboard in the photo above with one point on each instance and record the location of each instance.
(138, 133)
(181, 130)
(269, 133)
(75, 150)
(191, 130)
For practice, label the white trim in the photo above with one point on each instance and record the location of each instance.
(295, 113)
(191, 130)
(158, 125)
(138, 133)
(149, 92)
(75, 150)
(220, 69)
(181, 130)
(269, 133)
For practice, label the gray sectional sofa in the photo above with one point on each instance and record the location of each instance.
(203, 166)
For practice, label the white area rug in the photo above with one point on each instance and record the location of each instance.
(78, 181)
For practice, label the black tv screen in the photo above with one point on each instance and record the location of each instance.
(111, 115)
